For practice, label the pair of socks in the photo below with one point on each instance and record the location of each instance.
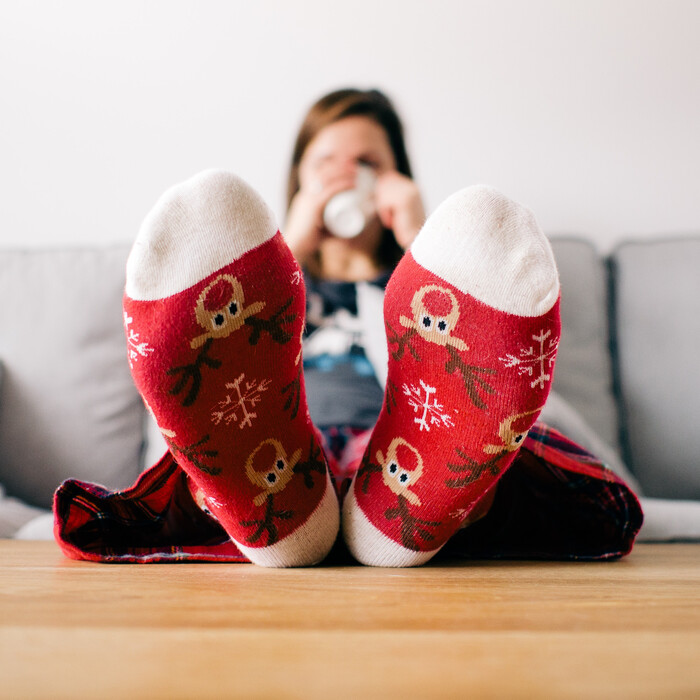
(214, 310)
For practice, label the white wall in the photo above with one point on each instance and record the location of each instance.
(588, 111)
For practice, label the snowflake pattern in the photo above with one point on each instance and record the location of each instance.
(534, 358)
(135, 347)
(237, 406)
(422, 400)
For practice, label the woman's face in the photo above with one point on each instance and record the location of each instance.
(337, 150)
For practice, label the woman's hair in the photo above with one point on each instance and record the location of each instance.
(351, 102)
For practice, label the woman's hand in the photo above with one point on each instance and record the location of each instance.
(304, 229)
(399, 206)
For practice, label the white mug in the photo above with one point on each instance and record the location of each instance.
(347, 214)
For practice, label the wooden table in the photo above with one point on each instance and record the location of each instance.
(627, 629)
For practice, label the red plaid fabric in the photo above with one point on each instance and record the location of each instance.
(556, 501)
(156, 520)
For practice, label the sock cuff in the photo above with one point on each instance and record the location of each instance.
(196, 228)
(492, 248)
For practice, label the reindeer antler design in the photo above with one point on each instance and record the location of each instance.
(294, 390)
(470, 376)
(194, 453)
(473, 468)
(267, 522)
(315, 463)
(366, 470)
(273, 325)
(192, 374)
(403, 341)
(511, 440)
(410, 525)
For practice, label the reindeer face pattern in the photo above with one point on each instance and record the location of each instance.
(511, 438)
(221, 309)
(401, 469)
(435, 316)
(269, 468)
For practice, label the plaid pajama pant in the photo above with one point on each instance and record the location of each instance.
(556, 501)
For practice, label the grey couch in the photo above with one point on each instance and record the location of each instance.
(627, 383)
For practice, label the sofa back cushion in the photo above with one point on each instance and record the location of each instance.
(68, 407)
(656, 306)
(583, 374)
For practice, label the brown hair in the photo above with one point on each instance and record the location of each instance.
(350, 102)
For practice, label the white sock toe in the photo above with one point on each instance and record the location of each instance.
(196, 228)
(497, 251)
(370, 546)
(308, 544)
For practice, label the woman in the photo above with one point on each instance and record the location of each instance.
(344, 132)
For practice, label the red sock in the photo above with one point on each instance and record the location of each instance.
(216, 303)
(472, 321)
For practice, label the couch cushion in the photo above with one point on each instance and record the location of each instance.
(583, 374)
(657, 309)
(68, 407)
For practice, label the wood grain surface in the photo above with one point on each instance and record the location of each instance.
(621, 629)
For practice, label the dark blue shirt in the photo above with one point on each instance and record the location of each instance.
(341, 386)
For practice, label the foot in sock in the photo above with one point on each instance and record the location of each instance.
(472, 323)
(214, 311)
